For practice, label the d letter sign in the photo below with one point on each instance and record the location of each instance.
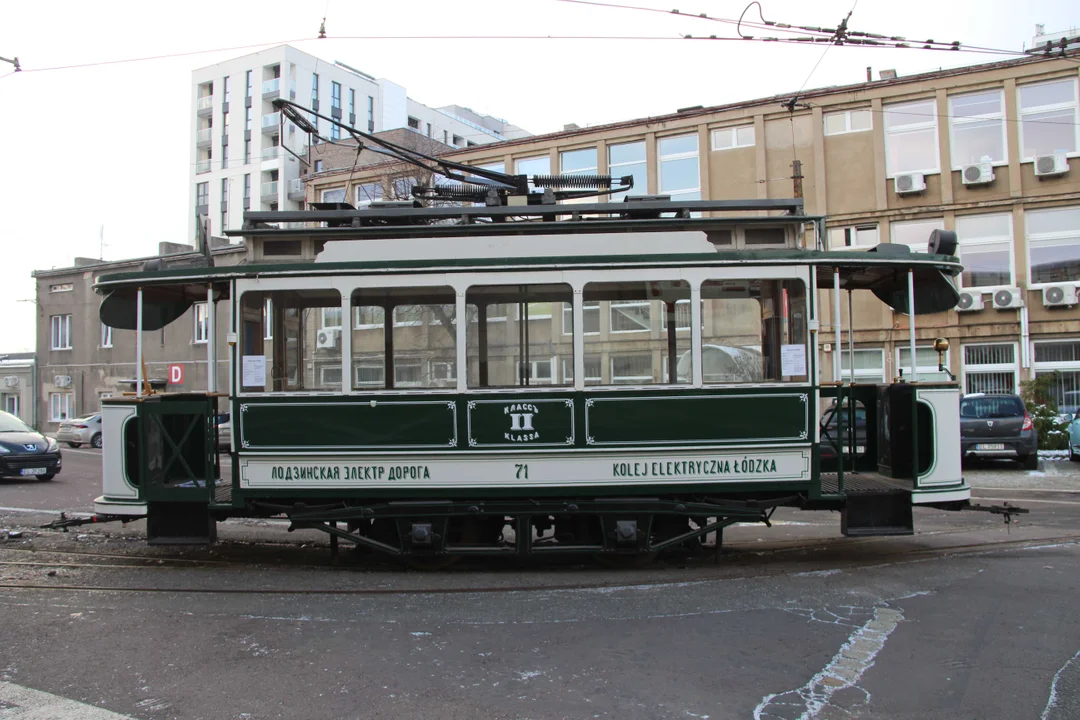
(176, 374)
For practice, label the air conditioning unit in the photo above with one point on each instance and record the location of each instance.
(910, 183)
(11, 381)
(1008, 299)
(329, 339)
(62, 381)
(970, 301)
(1059, 295)
(980, 174)
(1051, 165)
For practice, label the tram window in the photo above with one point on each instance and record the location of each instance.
(753, 331)
(291, 341)
(416, 349)
(644, 333)
(514, 336)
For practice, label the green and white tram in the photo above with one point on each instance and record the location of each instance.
(606, 378)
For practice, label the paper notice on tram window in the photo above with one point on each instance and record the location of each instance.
(254, 371)
(792, 359)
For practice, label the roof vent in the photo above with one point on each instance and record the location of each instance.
(887, 75)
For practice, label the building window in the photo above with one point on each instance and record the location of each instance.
(855, 236)
(446, 137)
(457, 141)
(337, 195)
(429, 129)
(106, 336)
(977, 128)
(247, 192)
(335, 95)
(869, 366)
(61, 287)
(11, 404)
(989, 368)
(225, 84)
(368, 316)
(915, 233)
(529, 166)
(331, 317)
(318, 167)
(409, 372)
(335, 131)
(630, 316)
(202, 323)
(1062, 359)
(911, 141)
(579, 162)
(414, 123)
(247, 152)
(224, 203)
(372, 374)
(61, 332)
(629, 159)
(370, 114)
(682, 316)
(632, 369)
(593, 365)
(927, 362)
(352, 107)
(733, 137)
(247, 82)
(591, 311)
(202, 198)
(268, 314)
(61, 406)
(985, 250)
(1053, 245)
(679, 174)
(848, 121)
(1048, 119)
(367, 193)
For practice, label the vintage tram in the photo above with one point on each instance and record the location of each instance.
(613, 378)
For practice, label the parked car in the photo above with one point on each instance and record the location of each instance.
(223, 423)
(830, 435)
(1070, 405)
(1074, 438)
(26, 452)
(998, 426)
(81, 431)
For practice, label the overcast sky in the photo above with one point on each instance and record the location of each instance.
(107, 145)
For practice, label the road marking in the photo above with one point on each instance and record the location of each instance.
(844, 671)
(23, 703)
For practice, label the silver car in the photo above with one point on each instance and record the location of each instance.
(81, 431)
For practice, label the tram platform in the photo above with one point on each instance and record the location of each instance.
(864, 483)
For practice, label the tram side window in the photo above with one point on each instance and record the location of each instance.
(753, 331)
(290, 341)
(404, 338)
(514, 335)
(644, 333)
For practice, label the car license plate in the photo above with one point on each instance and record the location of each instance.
(990, 446)
(33, 471)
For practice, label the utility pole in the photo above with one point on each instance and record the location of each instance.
(797, 177)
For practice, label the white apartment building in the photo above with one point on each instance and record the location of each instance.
(240, 147)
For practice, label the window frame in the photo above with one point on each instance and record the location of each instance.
(643, 163)
(66, 404)
(852, 231)
(912, 129)
(922, 370)
(733, 131)
(853, 375)
(1053, 239)
(106, 336)
(967, 243)
(632, 379)
(674, 157)
(200, 332)
(975, 119)
(584, 306)
(969, 369)
(1074, 105)
(612, 304)
(848, 129)
(907, 223)
(60, 332)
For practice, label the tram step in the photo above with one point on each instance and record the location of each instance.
(179, 523)
(887, 513)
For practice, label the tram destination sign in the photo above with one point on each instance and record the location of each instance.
(513, 470)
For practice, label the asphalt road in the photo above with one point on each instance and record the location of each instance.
(966, 619)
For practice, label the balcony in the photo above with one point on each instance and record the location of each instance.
(271, 89)
(202, 137)
(270, 191)
(271, 153)
(202, 166)
(271, 122)
(296, 189)
(204, 105)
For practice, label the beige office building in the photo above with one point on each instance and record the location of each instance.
(990, 151)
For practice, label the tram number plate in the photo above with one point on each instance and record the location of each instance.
(990, 446)
(33, 471)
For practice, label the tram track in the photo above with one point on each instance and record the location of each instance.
(746, 572)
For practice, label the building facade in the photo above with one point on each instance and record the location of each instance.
(17, 390)
(81, 360)
(244, 156)
(990, 151)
